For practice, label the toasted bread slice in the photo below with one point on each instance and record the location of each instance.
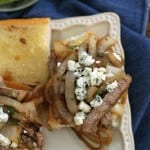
(24, 50)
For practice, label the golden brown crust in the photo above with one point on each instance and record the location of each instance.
(24, 21)
(23, 43)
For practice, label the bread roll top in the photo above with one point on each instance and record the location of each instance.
(24, 50)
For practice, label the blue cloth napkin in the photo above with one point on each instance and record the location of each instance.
(136, 46)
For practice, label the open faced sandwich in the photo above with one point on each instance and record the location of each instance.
(87, 88)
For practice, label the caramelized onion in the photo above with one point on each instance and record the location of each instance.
(28, 109)
(61, 51)
(16, 85)
(13, 93)
(53, 95)
(78, 40)
(58, 100)
(38, 91)
(117, 76)
(71, 101)
(92, 49)
(114, 60)
(12, 132)
(106, 136)
(52, 62)
(105, 43)
(91, 92)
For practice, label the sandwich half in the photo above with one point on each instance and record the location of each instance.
(24, 56)
(24, 50)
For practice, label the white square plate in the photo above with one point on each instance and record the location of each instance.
(101, 24)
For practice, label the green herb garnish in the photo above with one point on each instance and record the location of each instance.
(102, 93)
(11, 110)
(18, 140)
(9, 93)
(73, 46)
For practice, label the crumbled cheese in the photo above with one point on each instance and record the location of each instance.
(14, 145)
(101, 69)
(115, 121)
(78, 70)
(111, 87)
(84, 107)
(58, 64)
(34, 144)
(102, 49)
(78, 67)
(24, 131)
(97, 101)
(3, 116)
(87, 71)
(4, 141)
(117, 56)
(80, 93)
(81, 82)
(74, 66)
(98, 61)
(109, 74)
(115, 124)
(85, 59)
(97, 76)
(71, 65)
(77, 74)
(88, 80)
(79, 118)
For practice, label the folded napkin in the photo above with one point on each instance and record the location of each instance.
(137, 48)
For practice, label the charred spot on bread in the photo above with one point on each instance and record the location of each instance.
(23, 40)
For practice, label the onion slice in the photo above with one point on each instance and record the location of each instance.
(105, 43)
(12, 132)
(114, 60)
(13, 93)
(92, 49)
(91, 92)
(28, 108)
(71, 101)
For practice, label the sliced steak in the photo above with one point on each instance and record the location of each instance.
(106, 119)
(32, 137)
(93, 119)
(13, 93)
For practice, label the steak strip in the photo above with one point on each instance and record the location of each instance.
(106, 119)
(93, 119)
(13, 93)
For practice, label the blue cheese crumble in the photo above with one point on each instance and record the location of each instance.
(85, 59)
(4, 141)
(80, 93)
(111, 87)
(84, 107)
(97, 101)
(3, 116)
(97, 76)
(79, 118)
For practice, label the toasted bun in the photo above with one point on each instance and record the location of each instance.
(24, 50)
